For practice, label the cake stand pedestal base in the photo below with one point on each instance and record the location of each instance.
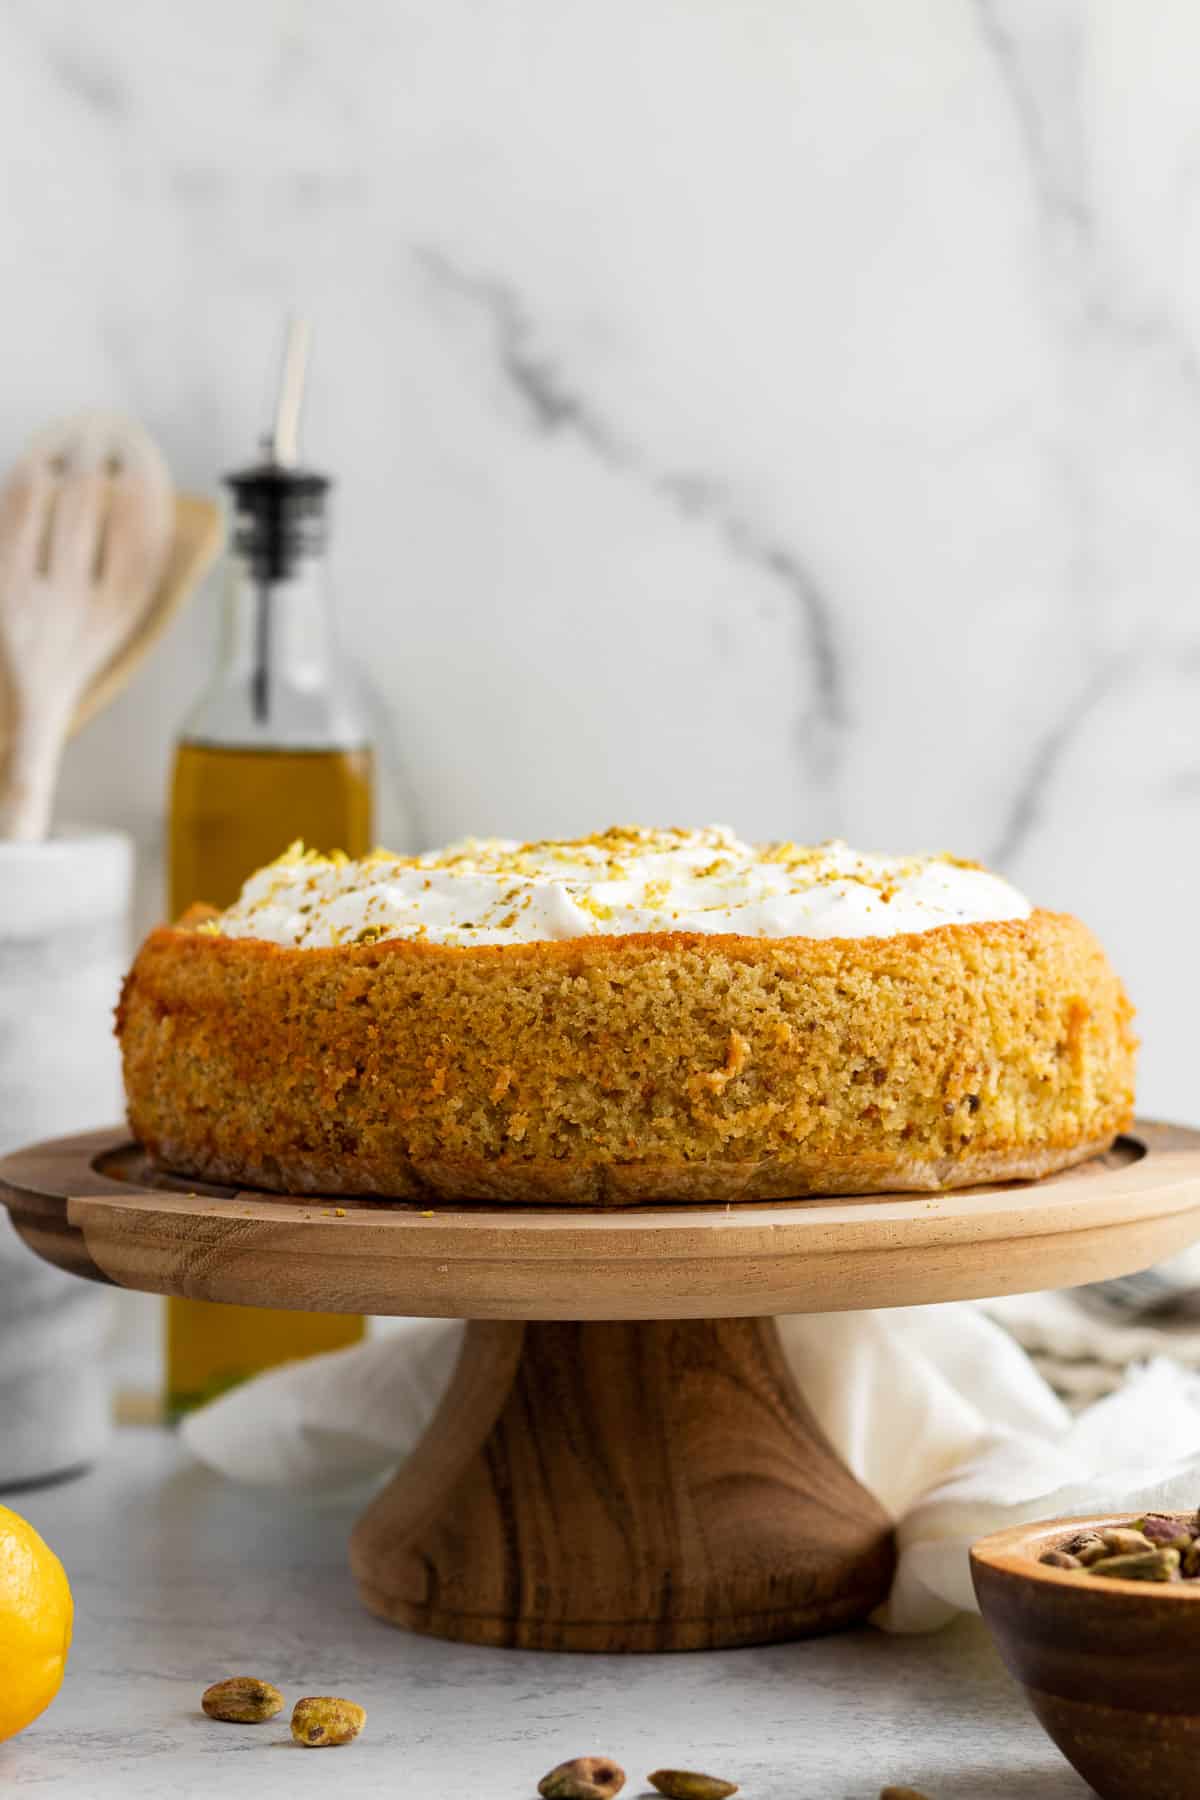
(623, 1487)
(653, 1484)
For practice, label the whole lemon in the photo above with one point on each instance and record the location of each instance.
(36, 1612)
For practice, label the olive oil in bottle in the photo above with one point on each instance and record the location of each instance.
(234, 808)
(275, 750)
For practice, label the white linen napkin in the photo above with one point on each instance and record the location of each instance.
(934, 1408)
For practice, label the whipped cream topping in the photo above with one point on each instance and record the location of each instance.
(493, 891)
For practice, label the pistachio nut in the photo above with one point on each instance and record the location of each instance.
(1164, 1532)
(583, 1778)
(1122, 1540)
(242, 1700)
(323, 1719)
(689, 1784)
(1144, 1565)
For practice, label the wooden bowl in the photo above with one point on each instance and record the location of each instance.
(1111, 1668)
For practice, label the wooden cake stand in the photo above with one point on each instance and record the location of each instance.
(623, 1460)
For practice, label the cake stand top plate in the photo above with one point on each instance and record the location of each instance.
(94, 1204)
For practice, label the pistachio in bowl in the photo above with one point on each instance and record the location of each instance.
(1154, 1547)
(1095, 1618)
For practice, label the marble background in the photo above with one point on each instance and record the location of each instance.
(777, 411)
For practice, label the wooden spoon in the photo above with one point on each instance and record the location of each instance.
(86, 522)
(199, 534)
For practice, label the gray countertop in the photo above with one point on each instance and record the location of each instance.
(181, 1578)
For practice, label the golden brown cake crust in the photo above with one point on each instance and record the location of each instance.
(621, 1070)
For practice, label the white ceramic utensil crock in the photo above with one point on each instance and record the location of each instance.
(64, 942)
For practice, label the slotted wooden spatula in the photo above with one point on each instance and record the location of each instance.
(86, 525)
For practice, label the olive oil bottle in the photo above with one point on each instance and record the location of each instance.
(275, 750)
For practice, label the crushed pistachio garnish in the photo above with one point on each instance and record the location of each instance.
(629, 879)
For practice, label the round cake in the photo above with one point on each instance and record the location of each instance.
(633, 1017)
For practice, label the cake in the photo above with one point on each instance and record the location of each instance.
(639, 1016)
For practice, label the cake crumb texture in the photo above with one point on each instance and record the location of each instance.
(670, 1066)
